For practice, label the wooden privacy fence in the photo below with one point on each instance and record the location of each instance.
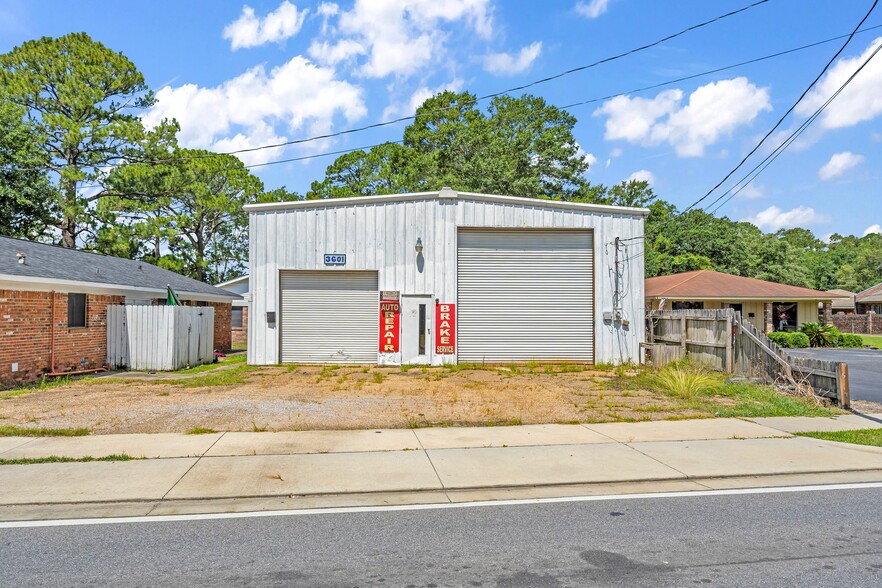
(723, 341)
(159, 338)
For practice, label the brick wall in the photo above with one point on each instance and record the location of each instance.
(863, 324)
(223, 316)
(240, 335)
(25, 319)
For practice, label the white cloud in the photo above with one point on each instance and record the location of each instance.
(642, 175)
(592, 8)
(877, 228)
(839, 164)
(246, 110)
(752, 191)
(251, 31)
(616, 152)
(713, 111)
(590, 159)
(773, 218)
(859, 101)
(408, 107)
(398, 37)
(506, 65)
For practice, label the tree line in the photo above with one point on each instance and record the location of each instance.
(78, 167)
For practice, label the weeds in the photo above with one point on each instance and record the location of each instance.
(200, 431)
(685, 381)
(14, 431)
(57, 459)
(45, 383)
(378, 377)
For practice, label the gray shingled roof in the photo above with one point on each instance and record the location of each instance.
(50, 261)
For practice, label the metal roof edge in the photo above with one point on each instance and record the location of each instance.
(445, 193)
(242, 278)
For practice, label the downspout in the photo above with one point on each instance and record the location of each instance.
(52, 333)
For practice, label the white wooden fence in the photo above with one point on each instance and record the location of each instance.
(159, 338)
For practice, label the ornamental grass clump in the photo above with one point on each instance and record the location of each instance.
(685, 381)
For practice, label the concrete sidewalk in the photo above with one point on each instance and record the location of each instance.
(242, 471)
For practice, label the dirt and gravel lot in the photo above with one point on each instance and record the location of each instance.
(245, 398)
(237, 397)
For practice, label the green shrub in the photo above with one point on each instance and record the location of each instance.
(685, 381)
(790, 340)
(821, 335)
(849, 340)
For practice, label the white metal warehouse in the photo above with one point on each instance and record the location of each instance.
(441, 277)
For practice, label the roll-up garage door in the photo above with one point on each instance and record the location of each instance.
(525, 295)
(329, 317)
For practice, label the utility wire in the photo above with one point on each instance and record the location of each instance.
(498, 93)
(759, 168)
(789, 110)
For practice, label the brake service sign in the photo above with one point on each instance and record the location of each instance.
(445, 329)
(390, 318)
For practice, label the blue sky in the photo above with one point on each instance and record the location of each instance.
(240, 75)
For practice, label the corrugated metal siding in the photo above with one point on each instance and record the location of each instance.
(381, 236)
(329, 317)
(525, 294)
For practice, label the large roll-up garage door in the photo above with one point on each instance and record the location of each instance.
(329, 317)
(525, 295)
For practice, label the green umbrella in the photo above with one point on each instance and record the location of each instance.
(172, 298)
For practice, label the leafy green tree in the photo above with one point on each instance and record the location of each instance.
(189, 208)
(520, 146)
(26, 195)
(82, 99)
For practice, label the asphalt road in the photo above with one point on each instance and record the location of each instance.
(816, 538)
(864, 369)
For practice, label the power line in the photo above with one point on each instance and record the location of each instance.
(759, 168)
(501, 92)
(789, 110)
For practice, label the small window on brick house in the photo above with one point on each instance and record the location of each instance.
(236, 319)
(76, 310)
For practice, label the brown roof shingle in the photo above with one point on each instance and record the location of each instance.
(871, 294)
(711, 284)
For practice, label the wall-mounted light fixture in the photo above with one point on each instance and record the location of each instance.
(419, 245)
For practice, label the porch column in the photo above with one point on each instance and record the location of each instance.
(828, 313)
(767, 318)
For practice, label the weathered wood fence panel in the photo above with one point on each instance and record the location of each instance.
(723, 341)
(159, 338)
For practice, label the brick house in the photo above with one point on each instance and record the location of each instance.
(53, 306)
(239, 322)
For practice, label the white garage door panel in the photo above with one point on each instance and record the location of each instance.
(329, 317)
(524, 295)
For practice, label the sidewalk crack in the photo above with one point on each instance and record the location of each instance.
(434, 469)
(184, 475)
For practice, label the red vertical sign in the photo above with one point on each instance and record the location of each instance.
(445, 329)
(390, 317)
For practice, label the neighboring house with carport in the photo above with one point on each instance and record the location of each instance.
(53, 306)
(769, 306)
(869, 300)
(843, 301)
(239, 318)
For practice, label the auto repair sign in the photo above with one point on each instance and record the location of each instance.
(390, 318)
(445, 329)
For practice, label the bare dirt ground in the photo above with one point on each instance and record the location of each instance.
(244, 398)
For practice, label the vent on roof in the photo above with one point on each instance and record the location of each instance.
(22, 257)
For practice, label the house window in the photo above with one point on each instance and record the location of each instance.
(687, 306)
(236, 320)
(76, 310)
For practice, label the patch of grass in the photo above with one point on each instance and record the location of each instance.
(45, 383)
(710, 395)
(508, 423)
(57, 459)
(200, 431)
(238, 358)
(256, 429)
(378, 377)
(858, 437)
(465, 366)
(230, 377)
(15, 431)
(415, 423)
(873, 340)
